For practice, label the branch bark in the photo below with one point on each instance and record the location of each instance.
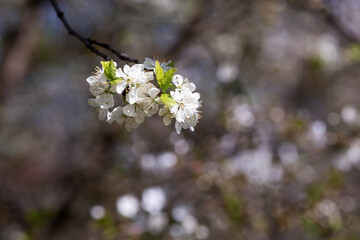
(90, 43)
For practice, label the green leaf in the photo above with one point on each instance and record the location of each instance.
(105, 65)
(168, 100)
(109, 70)
(159, 73)
(115, 81)
(171, 64)
(166, 82)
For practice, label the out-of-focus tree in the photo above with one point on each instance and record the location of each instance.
(276, 155)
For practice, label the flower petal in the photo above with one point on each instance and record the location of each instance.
(154, 108)
(140, 116)
(102, 114)
(177, 80)
(180, 115)
(191, 86)
(110, 100)
(97, 89)
(178, 127)
(174, 109)
(163, 111)
(117, 115)
(153, 92)
(120, 87)
(196, 96)
(149, 76)
(149, 63)
(120, 73)
(178, 95)
(126, 69)
(133, 95)
(167, 119)
(137, 67)
(129, 110)
(92, 102)
(92, 79)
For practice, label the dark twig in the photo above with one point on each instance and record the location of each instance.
(122, 56)
(89, 43)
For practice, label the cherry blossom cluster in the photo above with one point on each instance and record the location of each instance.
(145, 90)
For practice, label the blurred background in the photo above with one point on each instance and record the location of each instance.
(275, 156)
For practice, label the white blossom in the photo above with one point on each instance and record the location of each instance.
(185, 110)
(100, 110)
(189, 123)
(167, 115)
(141, 98)
(133, 78)
(150, 101)
(183, 84)
(150, 64)
(118, 115)
(98, 76)
(103, 98)
(134, 111)
(186, 105)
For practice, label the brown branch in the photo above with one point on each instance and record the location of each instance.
(122, 56)
(89, 43)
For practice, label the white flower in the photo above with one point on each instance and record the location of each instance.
(130, 123)
(100, 110)
(98, 88)
(185, 110)
(133, 77)
(117, 115)
(141, 98)
(189, 123)
(120, 117)
(150, 64)
(150, 102)
(183, 84)
(103, 99)
(135, 112)
(167, 115)
(98, 76)
(187, 104)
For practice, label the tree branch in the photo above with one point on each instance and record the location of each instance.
(89, 43)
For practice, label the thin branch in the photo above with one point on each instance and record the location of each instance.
(122, 56)
(89, 43)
